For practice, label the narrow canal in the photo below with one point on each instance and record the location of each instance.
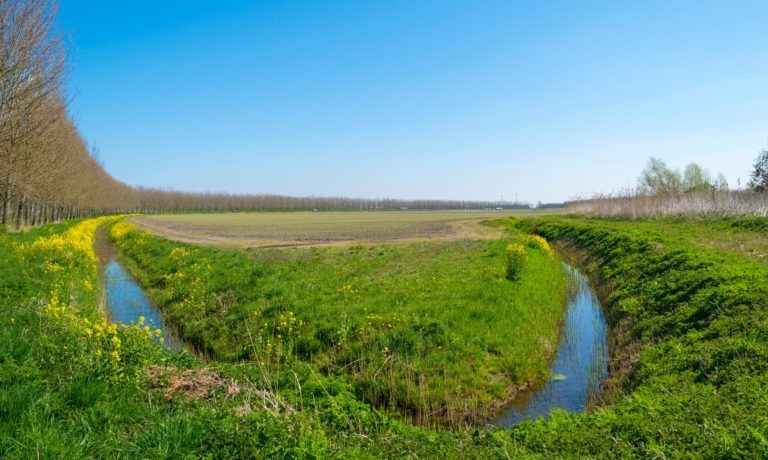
(581, 363)
(124, 302)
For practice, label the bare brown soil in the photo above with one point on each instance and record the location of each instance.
(274, 230)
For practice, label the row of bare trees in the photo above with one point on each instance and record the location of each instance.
(152, 200)
(46, 170)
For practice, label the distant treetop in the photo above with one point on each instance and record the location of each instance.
(658, 178)
(758, 180)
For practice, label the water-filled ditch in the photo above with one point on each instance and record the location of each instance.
(580, 365)
(127, 303)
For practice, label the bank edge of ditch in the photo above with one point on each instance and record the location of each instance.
(688, 355)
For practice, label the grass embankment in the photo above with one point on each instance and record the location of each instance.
(689, 317)
(692, 321)
(434, 330)
(73, 385)
(59, 358)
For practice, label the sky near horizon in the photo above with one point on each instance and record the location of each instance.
(417, 99)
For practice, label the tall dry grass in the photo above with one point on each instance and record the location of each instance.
(638, 204)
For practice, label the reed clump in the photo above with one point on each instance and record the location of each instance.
(636, 203)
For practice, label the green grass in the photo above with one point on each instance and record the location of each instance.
(432, 329)
(688, 312)
(61, 398)
(689, 325)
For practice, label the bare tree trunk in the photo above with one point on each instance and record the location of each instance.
(35, 214)
(6, 202)
(25, 215)
(18, 212)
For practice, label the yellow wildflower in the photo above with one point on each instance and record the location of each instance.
(537, 242)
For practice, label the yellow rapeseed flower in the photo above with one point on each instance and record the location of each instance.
(537, 242)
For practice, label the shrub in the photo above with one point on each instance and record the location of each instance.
(516, 257)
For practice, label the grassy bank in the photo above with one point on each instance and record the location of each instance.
(73, 385)
(689, 318)
(434, 330)
(687, 310)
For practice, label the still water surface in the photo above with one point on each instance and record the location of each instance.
(581, 363)
(126, 303)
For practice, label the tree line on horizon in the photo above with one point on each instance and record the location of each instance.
(154, 200)
(48, 173)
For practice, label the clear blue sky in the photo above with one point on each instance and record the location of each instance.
(417, 99)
